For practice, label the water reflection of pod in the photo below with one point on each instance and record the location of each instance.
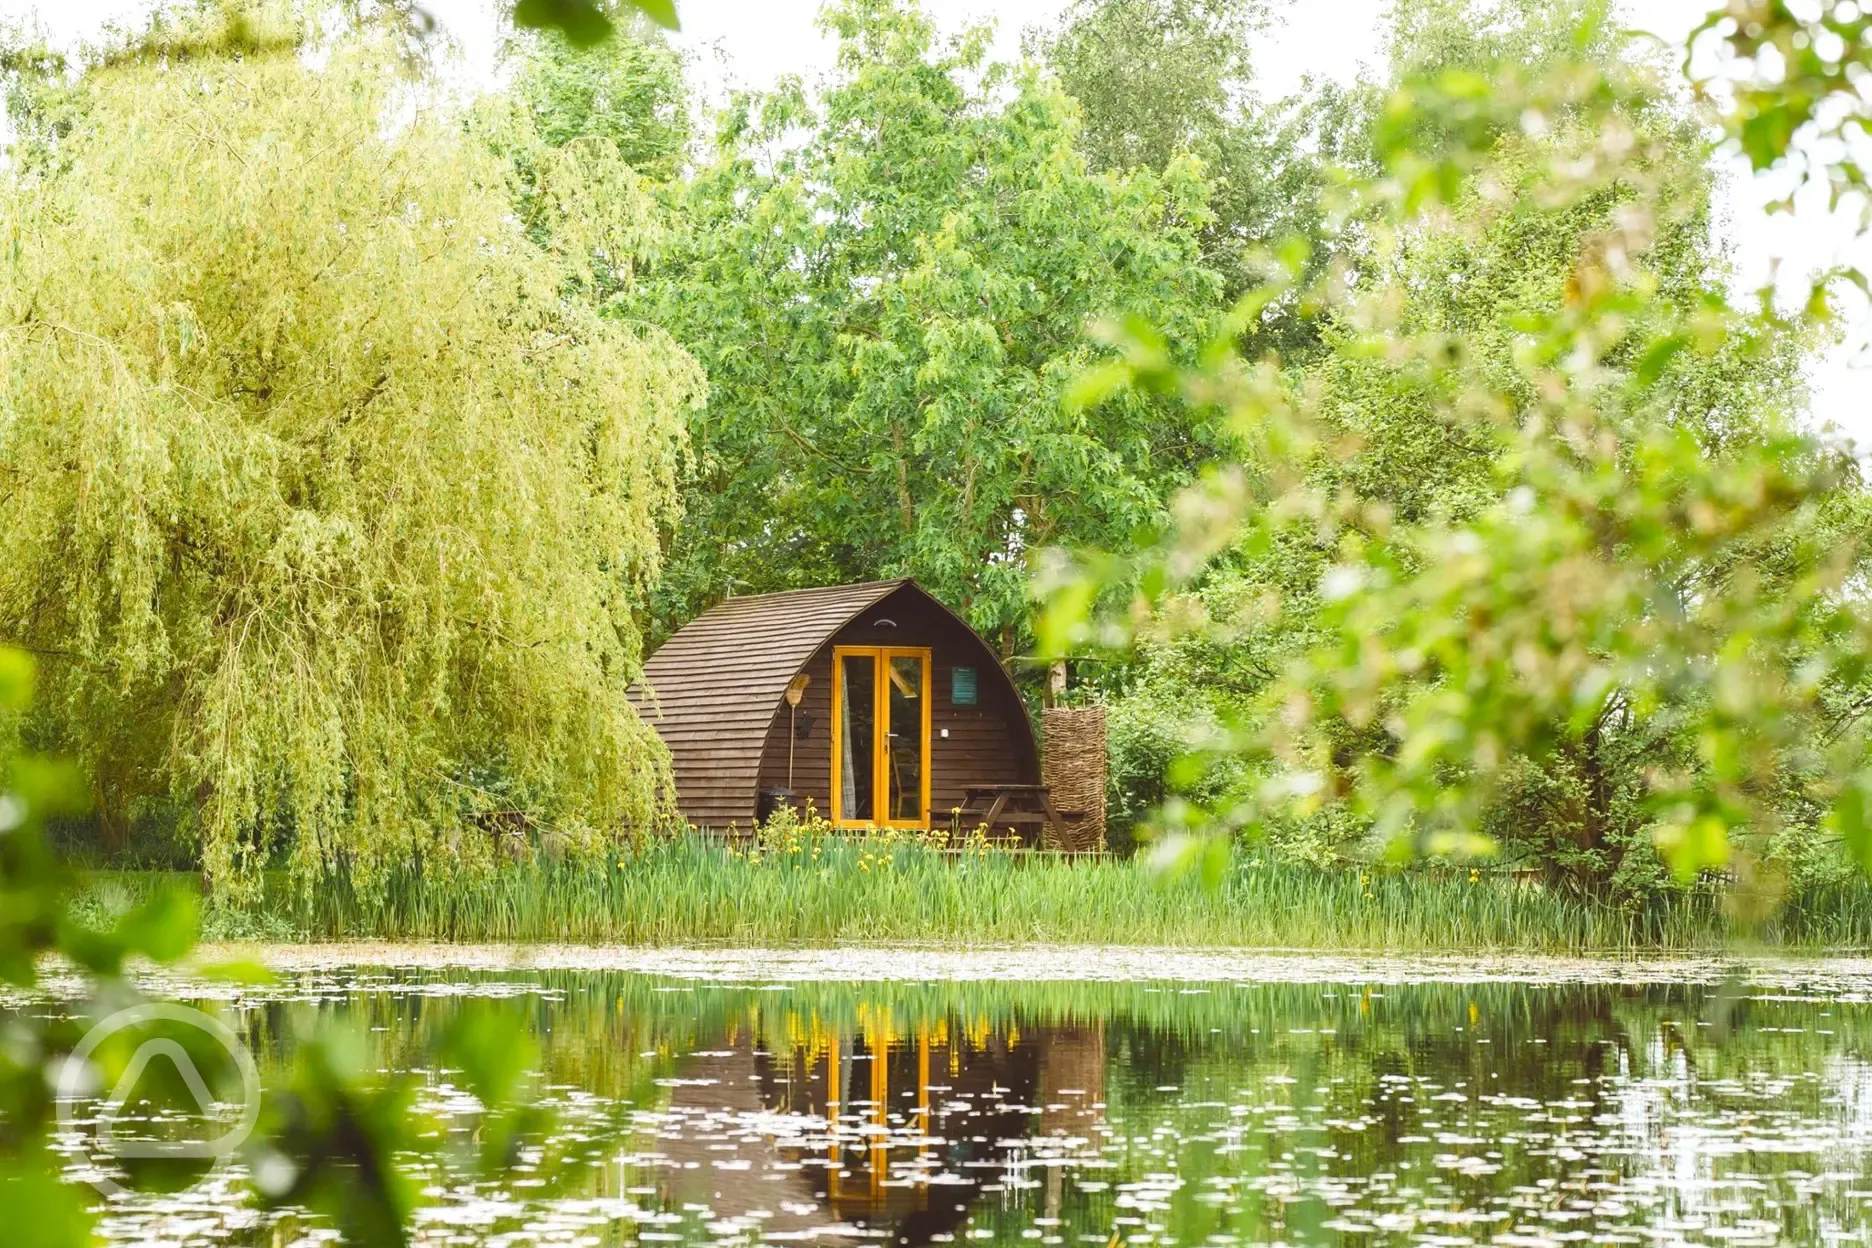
(894, 1135)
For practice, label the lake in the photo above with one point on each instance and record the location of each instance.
(1101, 1097)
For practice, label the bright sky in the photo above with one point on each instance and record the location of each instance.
(751, 42)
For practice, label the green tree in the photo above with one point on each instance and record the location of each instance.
(325, 510)
(1154, 78)
(890, 283)
(1533, 548)
(1161, 79)
(629, 91)
(592, 135)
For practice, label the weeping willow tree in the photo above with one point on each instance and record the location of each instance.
(325, 508)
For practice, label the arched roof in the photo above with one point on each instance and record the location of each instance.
(712, 690)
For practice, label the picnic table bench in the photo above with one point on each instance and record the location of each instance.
(1025, 809)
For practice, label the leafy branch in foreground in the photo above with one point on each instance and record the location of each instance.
(336, 1138)
(1630, 563)
(588, 22)
(1795, 77)
(1791, 79)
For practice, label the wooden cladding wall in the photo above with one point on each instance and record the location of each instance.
(988, 743)
(715, 694)
(710, 691)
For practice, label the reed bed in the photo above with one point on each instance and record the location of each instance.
(833, 889)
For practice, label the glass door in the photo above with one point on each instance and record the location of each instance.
(880, 736)
(906, 736)
(855, 742)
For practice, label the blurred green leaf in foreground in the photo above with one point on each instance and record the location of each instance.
(588, 22)
(326, 1138)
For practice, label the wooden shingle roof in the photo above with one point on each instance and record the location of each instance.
(711, 690)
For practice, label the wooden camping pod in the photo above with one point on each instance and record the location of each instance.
(716, 694)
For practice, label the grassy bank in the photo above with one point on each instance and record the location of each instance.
(829, 890)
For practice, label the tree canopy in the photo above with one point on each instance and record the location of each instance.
(324, 508)
(890, 282)
(1160, 80)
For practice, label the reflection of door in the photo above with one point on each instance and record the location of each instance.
(880, 736)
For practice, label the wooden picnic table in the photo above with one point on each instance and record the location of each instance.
(1017, 806)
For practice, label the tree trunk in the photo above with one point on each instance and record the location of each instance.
(906, 507)
(1056, 683)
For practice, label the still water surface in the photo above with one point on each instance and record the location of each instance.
(1088, 1098)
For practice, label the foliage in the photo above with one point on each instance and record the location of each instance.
(1539, 530)
(1157, 80)
(322, 506)
(1791, 81)
(326, 1134)
(1196, 52)
(629, 92)
(889, 282)
(590, 134)
(34, 892)
(1177, 702)
(1255, 611)
(342, 1138)
(586, 23)
(1796, 74)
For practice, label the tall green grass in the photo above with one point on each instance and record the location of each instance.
(835, 889)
